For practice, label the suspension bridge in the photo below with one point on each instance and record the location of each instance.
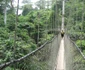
(56, 54)
(59, 53)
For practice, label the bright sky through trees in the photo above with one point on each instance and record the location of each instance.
(20, 3)
(33, 1)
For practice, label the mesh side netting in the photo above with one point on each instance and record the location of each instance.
(73, 56)
(43, 59)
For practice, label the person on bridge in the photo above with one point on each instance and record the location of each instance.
(62, 33)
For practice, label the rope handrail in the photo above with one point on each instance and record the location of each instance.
(77, 47)
(4, 65)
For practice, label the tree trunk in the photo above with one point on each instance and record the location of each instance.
(16, 28)
(5, 13)
(16, 31)
(12, 3)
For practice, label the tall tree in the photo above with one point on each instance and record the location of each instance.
(5, 12)
(5, 5)
(11, 8)
(27, 7)
(16, 28)
(1, 7)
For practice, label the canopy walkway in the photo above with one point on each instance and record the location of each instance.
(56, 54)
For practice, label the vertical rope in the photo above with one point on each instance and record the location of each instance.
(58, 17)
(82, 21)
(69, 16)
(55, 20)
(38, 29)
(51, 22)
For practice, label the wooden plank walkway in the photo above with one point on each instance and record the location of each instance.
(60, 63)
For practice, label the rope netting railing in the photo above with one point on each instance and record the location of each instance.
(75, 60)
(42, 58)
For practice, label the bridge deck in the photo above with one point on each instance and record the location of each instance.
(60, 65)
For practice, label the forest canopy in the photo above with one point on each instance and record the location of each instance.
(21, 33)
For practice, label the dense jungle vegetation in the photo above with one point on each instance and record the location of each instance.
(28, 30)
(75, 22)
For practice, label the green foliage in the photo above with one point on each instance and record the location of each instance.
(11, 22)
(1, 20)
(23, 19)
(75, 21)
(27, 9)
(4, 33)
(26, 33)
(81, 44)
(9, 68)
(84, 52)
(23, 34)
